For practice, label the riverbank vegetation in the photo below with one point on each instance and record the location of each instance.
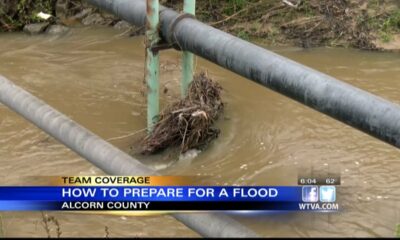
(371, 25)
(14, 15)
(307, 23)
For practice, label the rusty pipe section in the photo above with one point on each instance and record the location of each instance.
(339, 100)
(105, 156)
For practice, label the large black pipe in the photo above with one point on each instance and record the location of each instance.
(105, 156)
(346, 103)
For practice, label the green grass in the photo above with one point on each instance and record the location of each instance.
(397, 233)
(390, 26)
(392, 22)
(385, 26)
(385, 36)
(243, 35)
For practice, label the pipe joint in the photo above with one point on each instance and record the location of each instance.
(171, 37)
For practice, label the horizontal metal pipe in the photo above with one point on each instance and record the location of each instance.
(344, 102)
(104, 155)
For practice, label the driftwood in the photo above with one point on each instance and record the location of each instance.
(188, 123)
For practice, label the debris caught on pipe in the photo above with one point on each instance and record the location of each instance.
(188, 123)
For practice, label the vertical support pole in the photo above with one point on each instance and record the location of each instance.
(152, 62)
(189, 6)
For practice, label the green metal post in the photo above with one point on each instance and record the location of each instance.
(152, 62)
(189, 6)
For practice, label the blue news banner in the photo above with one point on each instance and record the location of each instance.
(160, 198)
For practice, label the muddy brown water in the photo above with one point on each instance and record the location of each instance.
(95, 77)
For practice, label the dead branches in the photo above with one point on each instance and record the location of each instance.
(188, 122)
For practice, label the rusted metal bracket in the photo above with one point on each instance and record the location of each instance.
(161, 46)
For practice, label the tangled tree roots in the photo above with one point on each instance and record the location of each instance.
(188, 123)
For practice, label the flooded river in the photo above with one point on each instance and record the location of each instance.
(95, 76)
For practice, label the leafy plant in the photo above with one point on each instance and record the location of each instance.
(392, 23)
